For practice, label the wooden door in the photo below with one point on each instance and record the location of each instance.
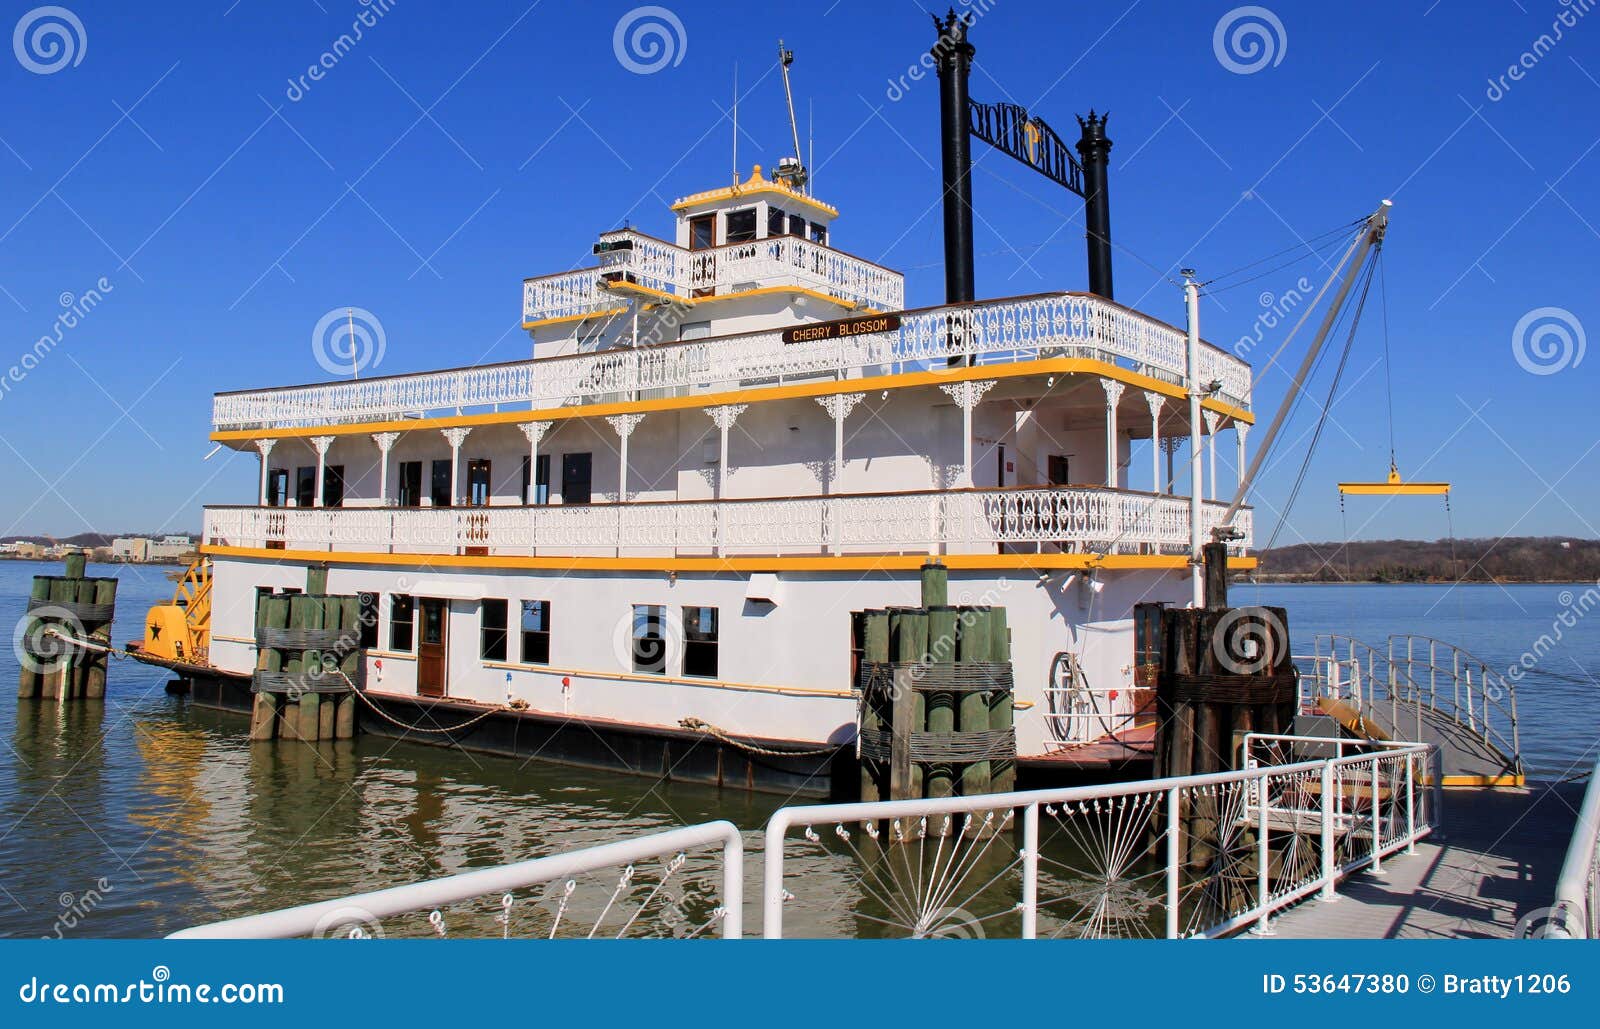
(433, 633)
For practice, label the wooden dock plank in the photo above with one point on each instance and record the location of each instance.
(1494, 860)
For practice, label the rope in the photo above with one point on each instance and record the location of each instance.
(696, 725)
(386, 716)
(84, 644)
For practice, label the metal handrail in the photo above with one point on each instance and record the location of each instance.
(1575, 912)
(1417, 825)
(1476, 692)
(321, 917)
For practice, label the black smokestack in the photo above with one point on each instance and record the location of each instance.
(952, 56)
(1094, 152)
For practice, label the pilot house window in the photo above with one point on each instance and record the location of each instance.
(741, 226)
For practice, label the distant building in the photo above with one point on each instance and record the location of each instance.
(130, 548)
(169, 548)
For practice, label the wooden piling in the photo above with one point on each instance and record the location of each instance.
(105, 595)
(1002, 708)
(974, 646)
(908, 630)
(316, 580)
(57, 680)
(271, 613)
(344, 721)
(874, 714)
(28, 682)
(935, 585)
(313, 616)
(941, 704)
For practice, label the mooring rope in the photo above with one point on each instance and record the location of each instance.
(697, 725)
(84, 644)
(386, 716)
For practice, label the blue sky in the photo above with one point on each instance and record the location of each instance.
(456, 150)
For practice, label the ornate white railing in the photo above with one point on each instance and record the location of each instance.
(669, 268)
(1062, 519)
(643, 889)
(1200, 856)
(993, 332)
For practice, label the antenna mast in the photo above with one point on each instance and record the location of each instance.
(735, 123)
(793, 171)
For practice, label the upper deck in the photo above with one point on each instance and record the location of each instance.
(994, 332)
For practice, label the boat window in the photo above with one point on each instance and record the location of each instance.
(536, 487)
(797, 226)
(741, 226)
(493, 624)
(277, 487)
(649, 639)
(703, 232)
(777, 221)
(700, 642)
(369, 621)
(443, 494)
(333, 485)
(1059, 470)
(410, 484)
(402, 616)
(478, 482)
(576, 470)
(819, 234)
(536, 632)
(305, 486)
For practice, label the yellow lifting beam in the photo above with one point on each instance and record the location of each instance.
(1394, 487)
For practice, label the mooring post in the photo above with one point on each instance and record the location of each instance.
(29, 679)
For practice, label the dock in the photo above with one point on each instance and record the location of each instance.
(1492, 863)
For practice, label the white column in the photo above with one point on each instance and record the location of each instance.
(1213, 419)
(1113, 390)
(321, 443)
(535, 432)
(455, 437)
(1240, 431)
(265, 447)
(1155, 400)
(839, 406)
(967, 396)
(624, 424)
(724, 417)
(385, 442)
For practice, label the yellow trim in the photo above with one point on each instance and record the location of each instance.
(899, 380)
(754, 185)
(607, 313)
(719, 684)
(808, 563)
(1507, 779)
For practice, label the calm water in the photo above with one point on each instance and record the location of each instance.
(173, 818)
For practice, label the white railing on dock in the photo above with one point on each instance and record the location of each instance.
(992, 332)
(1085, 519)
(1201, 856)
(1078, 711)
(1575, 912)
(1412, 674)
(635, 900)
